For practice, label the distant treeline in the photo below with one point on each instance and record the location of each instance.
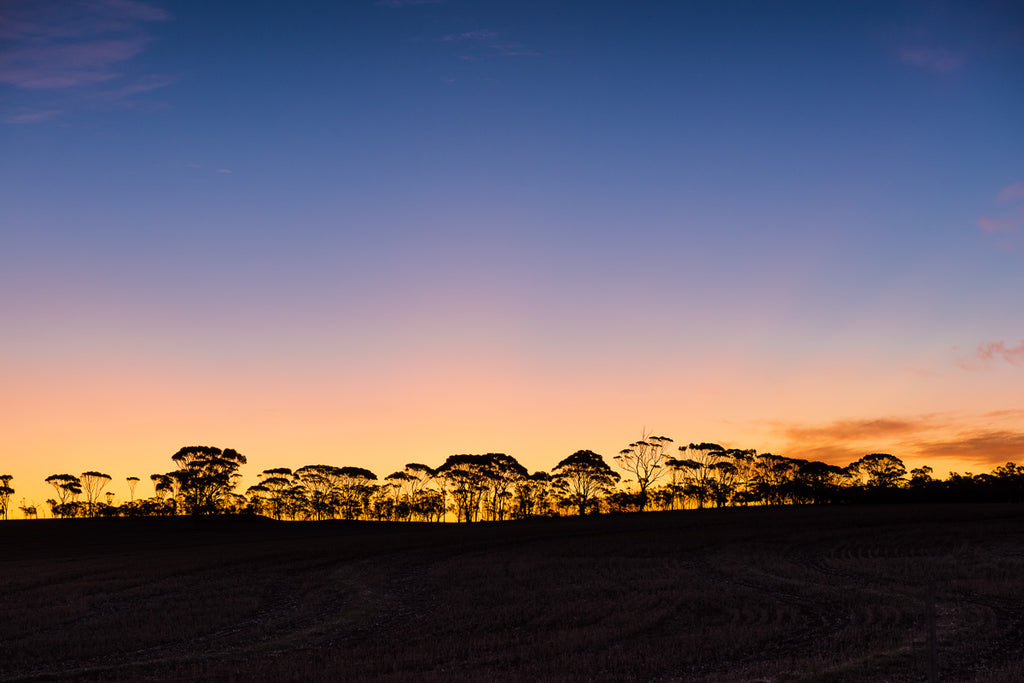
(656, 475)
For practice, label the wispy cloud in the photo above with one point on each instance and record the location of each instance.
(994, 225)
(855, 430)
(985, 448)
(72, 45)
(1011, 192)
(1006, 215)
(983, 441)
(993, 351)
(935, 60)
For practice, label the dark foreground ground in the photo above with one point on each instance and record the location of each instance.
(799, 594)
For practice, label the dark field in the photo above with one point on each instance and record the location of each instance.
(797, 594)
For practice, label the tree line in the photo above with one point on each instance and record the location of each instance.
(655, 475)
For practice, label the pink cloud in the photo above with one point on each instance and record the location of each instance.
(989, 351)
(936, 61)
(1011, 192)
(991, 225)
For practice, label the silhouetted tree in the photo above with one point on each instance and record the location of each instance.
(773, 478)
(505, 472)
(355, 487)
(817, 482)
(205, 476)
(321, 483)
(93, 484)
(881, 469)
(469, 479)
(274, 485)
(698, 463)
(532, 495)
(68, 487)
(28, 510)
(583, 477)
(132, 483)
(5, 493)
(644, 460)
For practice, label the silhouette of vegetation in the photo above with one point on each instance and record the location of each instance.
(582, 478)
(495, 486)
(643, 460)
(5, 493)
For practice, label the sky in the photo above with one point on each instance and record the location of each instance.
(374, 232)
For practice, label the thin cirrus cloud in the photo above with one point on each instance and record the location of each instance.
(934, 60)
(77, 47)
(994, 351)
(1011, 192)
(1009, 217)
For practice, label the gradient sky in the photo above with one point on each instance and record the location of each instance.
(371, 233)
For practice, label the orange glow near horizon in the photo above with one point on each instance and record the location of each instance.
(127, 419)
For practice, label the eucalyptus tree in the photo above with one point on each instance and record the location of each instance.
(505, 472)
(428, 492)
(206, 476)
(881, 470)
(469, 478)
(273, 489)
(355, 488)
(132, 483)
(68, 488)
(698, 463)
(644, 460)
(773, 478)
(321, 485)
(93, 483)
(818, 482)
(396, 488)
(6, 491)
(582, 478)
(532, 495)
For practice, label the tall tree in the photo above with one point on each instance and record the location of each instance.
(881, 469)
(68, 488)
(698, 463)
(321, 483)
(206, 475)
(644, 460)
(469, 478)
(132, 483)
(583, 477)
(5, 493)
(93, 483)
(532, 495)
(505, 472)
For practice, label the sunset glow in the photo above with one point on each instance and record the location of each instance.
(374, 233)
